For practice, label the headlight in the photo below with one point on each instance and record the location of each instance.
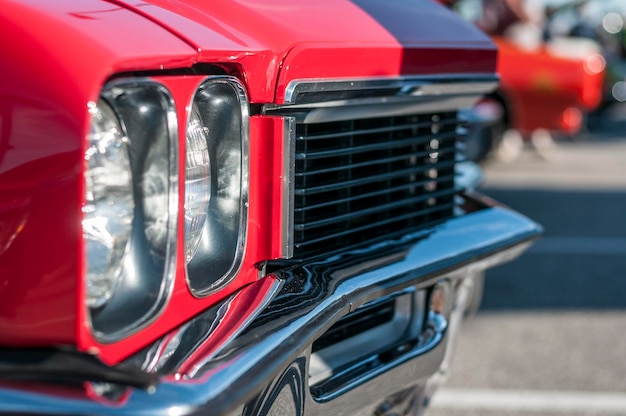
(197, 182)
(130, 210)
(216, 184)
(109, 205)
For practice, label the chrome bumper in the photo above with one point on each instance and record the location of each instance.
(251, 354)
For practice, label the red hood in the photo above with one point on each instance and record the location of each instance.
(276, 41)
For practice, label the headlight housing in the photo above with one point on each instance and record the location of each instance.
(130, 210)
(216, 204)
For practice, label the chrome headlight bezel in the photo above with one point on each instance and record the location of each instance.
(146, 112)
(223, 106)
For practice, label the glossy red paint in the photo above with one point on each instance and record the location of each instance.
(282, 40)
(241, 309)
(267, 153)
(68, 50)
(64, 54)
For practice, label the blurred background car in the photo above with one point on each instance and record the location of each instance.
(550, 80)
(547, 339)
(602, 21)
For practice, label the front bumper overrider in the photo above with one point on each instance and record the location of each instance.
(252, 354)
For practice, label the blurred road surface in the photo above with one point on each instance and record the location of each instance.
(550, 338)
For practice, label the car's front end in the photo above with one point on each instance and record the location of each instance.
(238, 208)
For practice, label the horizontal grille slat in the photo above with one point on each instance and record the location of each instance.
(355, 215)
(370, 179)
(336, 135)
(386, 145)
(368, 195)
(367, 228)
(359, 181)
(372, 163)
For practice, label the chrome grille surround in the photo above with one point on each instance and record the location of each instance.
(370, 159)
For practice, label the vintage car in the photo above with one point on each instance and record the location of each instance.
(604, 23)
(238, 207)
(551, 88)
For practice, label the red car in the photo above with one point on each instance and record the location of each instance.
(237, 207)
(547, 88)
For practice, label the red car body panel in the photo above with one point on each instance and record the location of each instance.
(78, 46)
(53, 73)
(329, 39)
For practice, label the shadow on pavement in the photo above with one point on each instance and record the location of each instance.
(580, 263)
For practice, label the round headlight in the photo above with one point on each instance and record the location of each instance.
(197, 182)
(109, 205)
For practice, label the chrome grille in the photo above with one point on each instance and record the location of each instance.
(366, 160)
(361, 180)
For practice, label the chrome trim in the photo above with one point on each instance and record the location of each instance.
(431, 347)
(312, 299)
(388, 107)
(169, 273)
(410, 86)
(288, 181)
(407, 319)
(454, 323)
(469, 176)
(173, 351)
(245, 169)
(344, 99)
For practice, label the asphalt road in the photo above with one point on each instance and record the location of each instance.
(550, 337)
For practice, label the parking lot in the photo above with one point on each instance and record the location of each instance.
(550, 338)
